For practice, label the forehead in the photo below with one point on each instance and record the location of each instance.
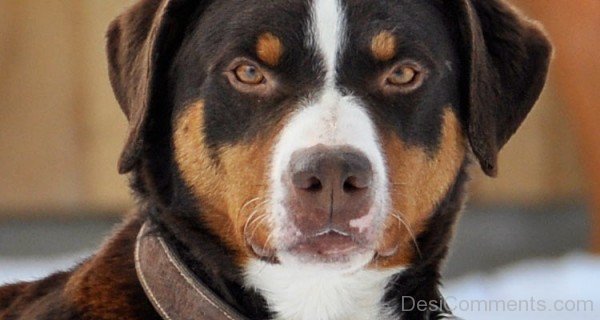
(319, 44)
(237, 24)
(412, 19)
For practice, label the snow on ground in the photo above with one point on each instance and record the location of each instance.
(564, 288)
(32, 268)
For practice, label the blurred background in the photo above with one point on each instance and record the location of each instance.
(61, 131)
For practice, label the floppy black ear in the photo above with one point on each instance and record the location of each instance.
(140, 42)
(507, 59)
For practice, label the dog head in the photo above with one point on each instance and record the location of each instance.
(319, 132)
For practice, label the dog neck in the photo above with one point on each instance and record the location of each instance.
(328, 294)
(209, 260)
(161, 272)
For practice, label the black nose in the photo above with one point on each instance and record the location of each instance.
(331, 185)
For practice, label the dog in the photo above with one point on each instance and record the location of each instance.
(297, 159)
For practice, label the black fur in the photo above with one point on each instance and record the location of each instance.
(483, 60)
(425, 36)
(429, 33)
(489, 67)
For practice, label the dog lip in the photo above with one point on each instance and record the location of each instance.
(263, 252)
(330, 230)
(329, 244)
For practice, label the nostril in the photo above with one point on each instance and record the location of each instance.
(307, 182)
(314, 185)
(354, 184)
(350, 185)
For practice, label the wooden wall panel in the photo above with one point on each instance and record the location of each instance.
(104, 126)
(60, 126)
(539, 163)
(37, 139)
(575, 28)
(61, 130)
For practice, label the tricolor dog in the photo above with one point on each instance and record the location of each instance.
(296, 159)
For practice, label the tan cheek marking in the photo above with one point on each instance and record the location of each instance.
(247, 174)
(269, 49)
(193, 158)
(418, 183)
(384, 46)
(200, 173)
(233, 195)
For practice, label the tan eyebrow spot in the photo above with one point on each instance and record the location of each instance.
(384, 46)
(269, 48)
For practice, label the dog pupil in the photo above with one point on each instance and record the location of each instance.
(251, 72)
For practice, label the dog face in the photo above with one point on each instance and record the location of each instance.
(319, 132)
(327, 138)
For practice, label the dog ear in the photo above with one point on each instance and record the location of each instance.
(139, 43)
(506, 58)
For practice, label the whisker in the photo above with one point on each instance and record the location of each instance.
(249, 202)
(264, 246)
(252, 216)
(257, 223)
(269, 238)
(410, 232)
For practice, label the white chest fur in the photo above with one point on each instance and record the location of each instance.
(316, 293)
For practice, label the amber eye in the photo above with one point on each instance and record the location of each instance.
(249, 74)
(403, 76)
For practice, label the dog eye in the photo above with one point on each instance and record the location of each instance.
(249, 74)
(404, 78)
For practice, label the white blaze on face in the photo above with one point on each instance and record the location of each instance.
(327, 34)
(329, 118)
(347, 291)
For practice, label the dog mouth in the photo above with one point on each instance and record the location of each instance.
(329, 246)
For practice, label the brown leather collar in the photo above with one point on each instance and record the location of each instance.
(173, 290)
